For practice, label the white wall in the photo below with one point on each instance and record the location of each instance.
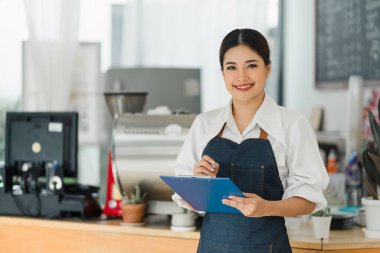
(300, 93)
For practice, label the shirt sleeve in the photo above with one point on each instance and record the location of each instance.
(186, 158)
(307, 173)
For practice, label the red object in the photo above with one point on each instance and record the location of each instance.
(112, 207)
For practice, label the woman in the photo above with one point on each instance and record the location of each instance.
(270, 152)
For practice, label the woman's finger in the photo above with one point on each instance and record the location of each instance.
(233, 203)
(208, 159)
(199, 171)
(249, 195)
(237, 199)
(205, 164)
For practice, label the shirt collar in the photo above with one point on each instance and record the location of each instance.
(268, 117)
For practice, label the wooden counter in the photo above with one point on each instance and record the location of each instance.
(19, 235)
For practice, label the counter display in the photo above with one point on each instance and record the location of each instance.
(42, 235)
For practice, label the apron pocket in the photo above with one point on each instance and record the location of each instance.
(249, 179)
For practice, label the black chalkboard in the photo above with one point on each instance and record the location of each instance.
(348, 41)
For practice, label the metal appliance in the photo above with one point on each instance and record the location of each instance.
(118, 102)
(145, 147)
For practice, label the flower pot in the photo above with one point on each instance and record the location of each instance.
(133, 213)
(372, 211)
(321, 226)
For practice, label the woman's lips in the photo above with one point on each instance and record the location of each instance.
(243, 87)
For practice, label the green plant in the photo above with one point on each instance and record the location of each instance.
(323, 212)
(135, 197)
(371, 158)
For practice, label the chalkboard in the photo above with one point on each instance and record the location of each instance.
(348, 41)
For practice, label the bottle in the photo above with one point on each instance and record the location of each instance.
(353, 181)
(331, 161)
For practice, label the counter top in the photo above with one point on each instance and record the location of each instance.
(339, 239)
(158, 227)
(301, 238)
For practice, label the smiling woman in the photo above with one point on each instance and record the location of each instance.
(268, 151)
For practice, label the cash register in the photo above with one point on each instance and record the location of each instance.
(40, 171)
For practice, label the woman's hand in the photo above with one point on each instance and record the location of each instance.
(206, 167)
(251, 206)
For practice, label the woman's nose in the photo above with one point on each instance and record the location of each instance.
(242, 75)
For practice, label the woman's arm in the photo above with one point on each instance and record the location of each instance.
(255, 206)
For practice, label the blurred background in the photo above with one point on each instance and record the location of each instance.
(63, 54)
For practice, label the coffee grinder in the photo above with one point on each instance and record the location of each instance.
(118, 102)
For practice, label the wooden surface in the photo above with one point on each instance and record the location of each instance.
(19, 235)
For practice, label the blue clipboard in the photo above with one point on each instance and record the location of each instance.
(204, 193)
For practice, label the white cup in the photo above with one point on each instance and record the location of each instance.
(183, 220)
(321, 226)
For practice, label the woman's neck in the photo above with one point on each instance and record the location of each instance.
(244, 111)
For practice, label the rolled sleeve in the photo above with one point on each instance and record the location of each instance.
(187, 156)
(307, 173)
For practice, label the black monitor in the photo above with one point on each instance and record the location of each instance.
(41, 137)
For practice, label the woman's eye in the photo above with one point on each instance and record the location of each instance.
(252, 66)
(230, 67)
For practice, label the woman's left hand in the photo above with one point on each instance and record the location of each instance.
(251, 206)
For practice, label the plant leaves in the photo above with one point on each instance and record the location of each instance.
(370, 188)
(376, 160)
(370, 168)
(374, 128)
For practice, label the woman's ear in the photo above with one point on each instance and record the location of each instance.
(269, 67)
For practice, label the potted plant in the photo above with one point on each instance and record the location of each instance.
(133, 206)
(321, 223)
(371, 162)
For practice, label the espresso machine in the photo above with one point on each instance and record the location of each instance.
(143, 147)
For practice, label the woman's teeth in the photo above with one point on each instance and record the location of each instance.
(243, 87)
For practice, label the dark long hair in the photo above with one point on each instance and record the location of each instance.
(248, 37)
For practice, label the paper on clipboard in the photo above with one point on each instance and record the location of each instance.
(204, 193)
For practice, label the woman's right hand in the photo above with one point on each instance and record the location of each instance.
(206, 167)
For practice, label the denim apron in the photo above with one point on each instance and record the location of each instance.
(252, 166)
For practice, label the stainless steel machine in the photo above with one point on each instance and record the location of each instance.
(146, 146)
(143, 147)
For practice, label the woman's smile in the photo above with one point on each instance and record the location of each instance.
(244, 87)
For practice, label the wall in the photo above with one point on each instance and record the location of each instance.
(300, 93)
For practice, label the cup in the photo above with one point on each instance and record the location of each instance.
(321, 226)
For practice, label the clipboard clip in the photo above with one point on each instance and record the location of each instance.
(192, 176)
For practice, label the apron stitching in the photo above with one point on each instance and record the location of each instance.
(262, 171)
(250, 180)
(276, 168)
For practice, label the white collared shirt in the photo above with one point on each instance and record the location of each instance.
(301, 169)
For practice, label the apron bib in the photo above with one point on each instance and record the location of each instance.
(251, 165)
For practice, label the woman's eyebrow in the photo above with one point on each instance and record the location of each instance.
(253, 60)
(234, 63)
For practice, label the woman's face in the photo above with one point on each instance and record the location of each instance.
(245, 74)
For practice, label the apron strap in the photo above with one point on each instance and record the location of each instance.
(263, 134)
